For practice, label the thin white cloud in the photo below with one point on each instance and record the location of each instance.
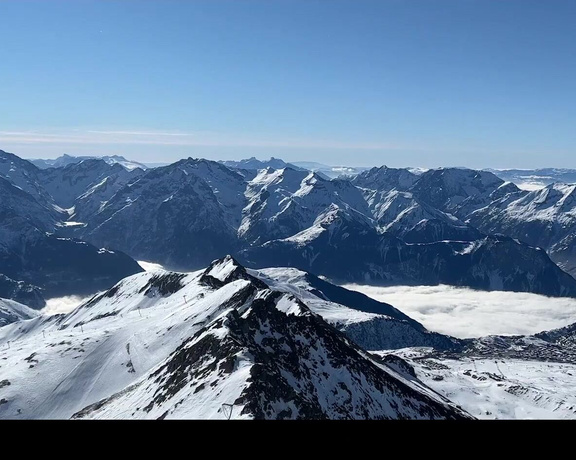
(142, 133)
(463, 312)
(65, 304)
(150, 266)
(212, 139)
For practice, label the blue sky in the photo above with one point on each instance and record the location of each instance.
(475, 83)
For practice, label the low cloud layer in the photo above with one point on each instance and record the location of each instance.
(463, 312)
(150, 266)
(63, 304)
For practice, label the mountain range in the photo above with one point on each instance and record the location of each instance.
(266, 332)
(383, 226)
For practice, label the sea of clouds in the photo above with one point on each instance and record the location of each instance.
(463, 312)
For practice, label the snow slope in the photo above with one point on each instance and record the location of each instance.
(11, 312)
(170, 345)
(505, 389)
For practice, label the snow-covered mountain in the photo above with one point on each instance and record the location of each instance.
(491, 263)
(384, 179)
(545, 218)
(254, 163)
(284, 202)
(66, 160)
(67, 183)
(181, 215)
(330, 172)
(24, 175)
(30, 254)
(533, 179)
(217, 343)
(414, 221)
(459, 191)
(21, 292)
(12, 312)
(188, 213)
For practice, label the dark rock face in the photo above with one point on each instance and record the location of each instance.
(385, 334)
(67, 183)
(493, 263)
(543, 218)
(164, 284)
(170, 215)
(65, 266)
(26, 294)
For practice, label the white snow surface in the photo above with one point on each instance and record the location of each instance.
(11, 311)
(463, 312)
(292, 280)
(100, 349)
(501, 388)
(109, 347)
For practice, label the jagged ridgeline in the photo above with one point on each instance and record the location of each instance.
(384, 226)
(217, 343)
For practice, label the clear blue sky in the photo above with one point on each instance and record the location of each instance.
(476, 83)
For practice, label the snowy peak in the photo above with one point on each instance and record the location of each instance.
(560, 197)
(65, 160)
(24, 175)
(448, 188)
(67, 184)
(415, 221)
(255, 164)
(385, 179)
(226, 270)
